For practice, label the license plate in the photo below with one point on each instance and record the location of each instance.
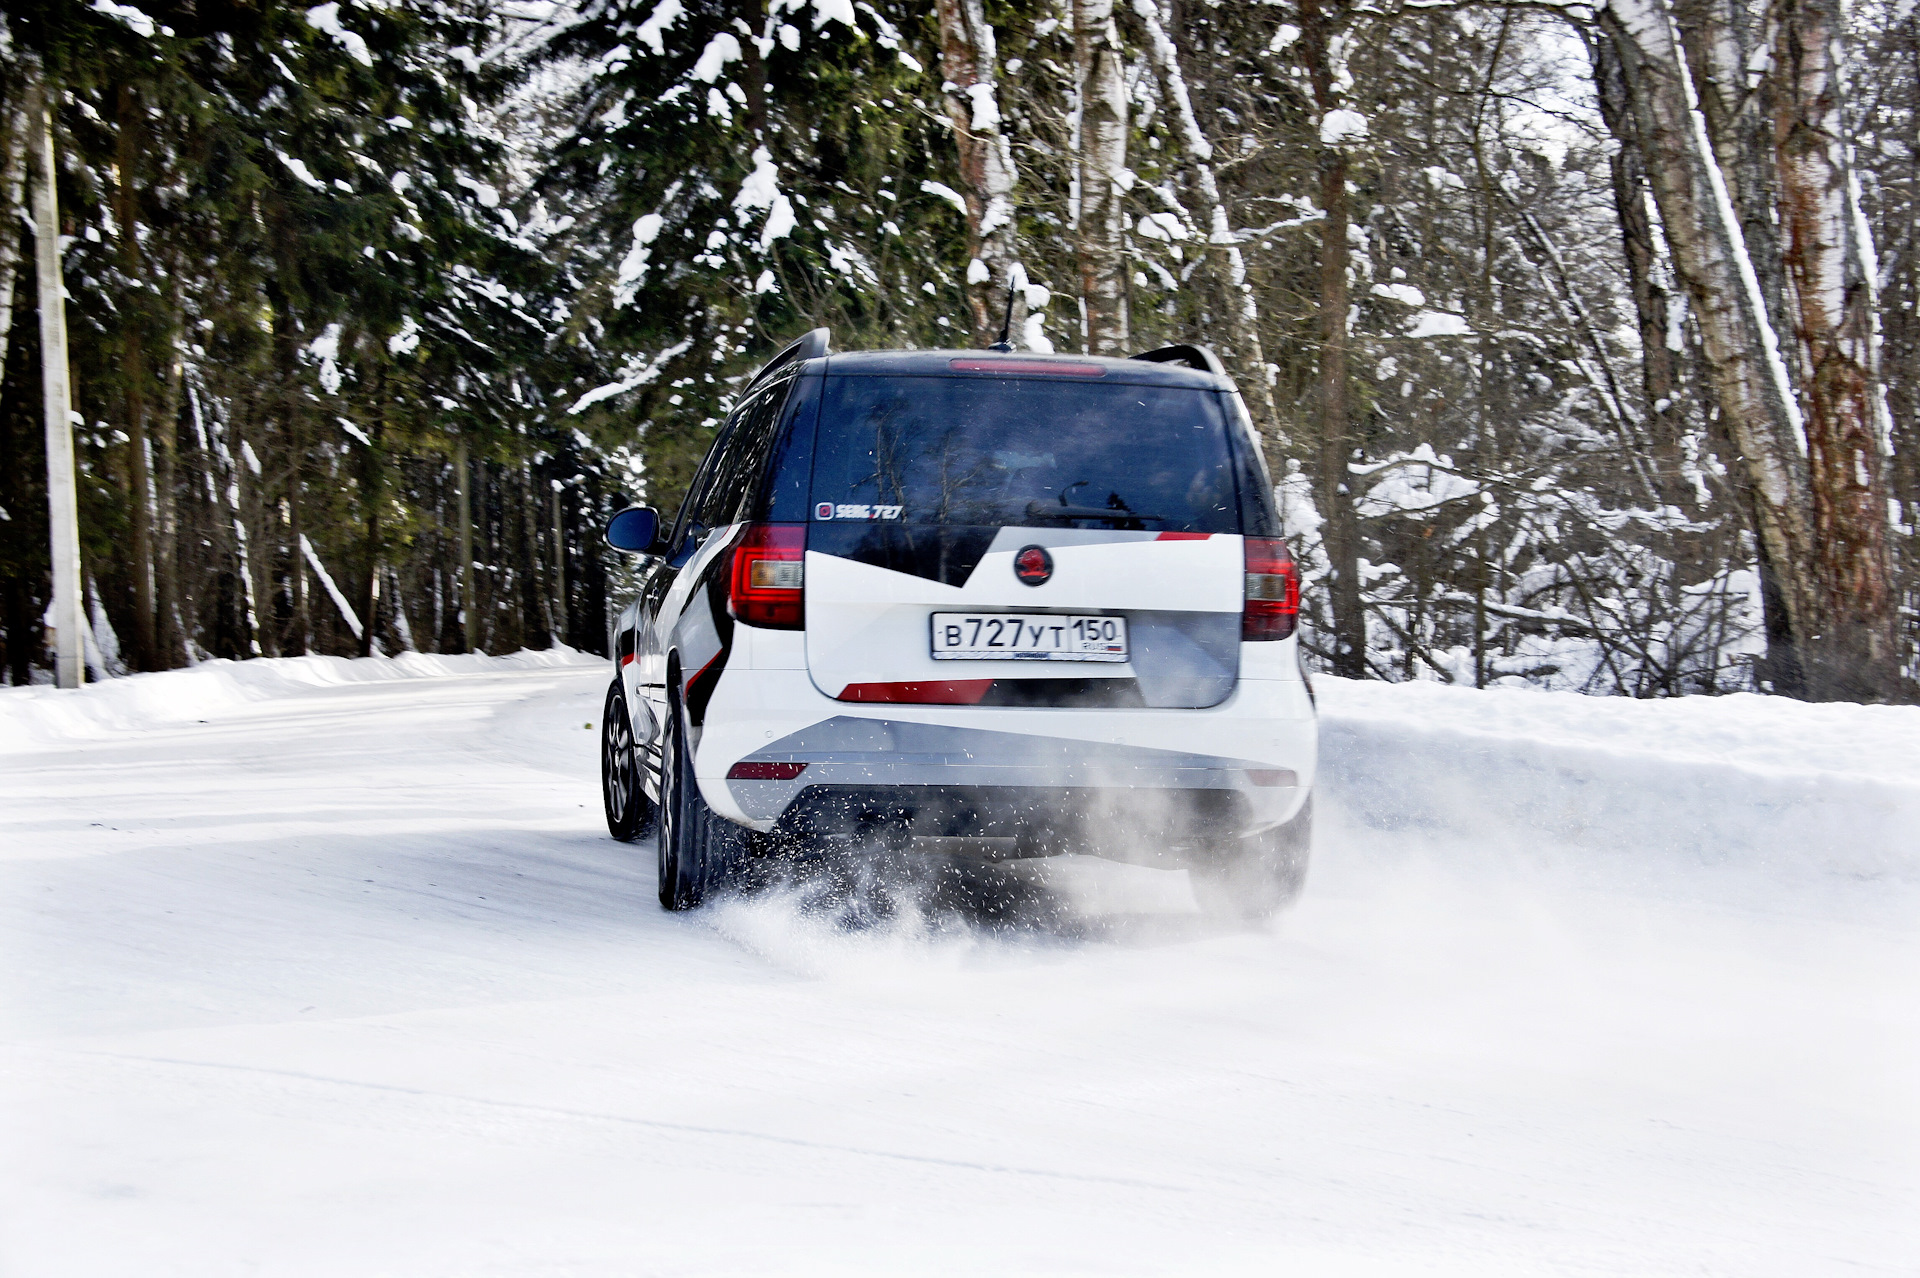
(1015, 636)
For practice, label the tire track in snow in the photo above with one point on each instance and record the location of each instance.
(653, 1124)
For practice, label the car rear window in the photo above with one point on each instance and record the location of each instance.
(1023, 452)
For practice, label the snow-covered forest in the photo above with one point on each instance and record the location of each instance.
(1582, 337)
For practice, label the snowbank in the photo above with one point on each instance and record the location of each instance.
(1763, 781)
(32, 716)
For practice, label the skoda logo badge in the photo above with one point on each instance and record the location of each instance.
(1033, 565)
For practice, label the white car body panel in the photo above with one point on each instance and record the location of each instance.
(870, 625)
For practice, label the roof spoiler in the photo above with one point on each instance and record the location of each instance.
(1200, 357)
(810, 346)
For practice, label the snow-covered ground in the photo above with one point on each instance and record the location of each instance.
(328, 968)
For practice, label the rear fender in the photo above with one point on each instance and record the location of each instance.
(702, 636)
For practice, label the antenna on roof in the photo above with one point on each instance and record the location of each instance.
(1016, 278)
(1006, 326)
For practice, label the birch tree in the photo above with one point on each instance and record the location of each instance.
(1811, 446)
(1245, 348)
(969, 59)
(1830, 272)
(1886, 87)
(1740, 346)
(1101, 177)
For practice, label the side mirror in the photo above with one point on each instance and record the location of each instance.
(635, 530)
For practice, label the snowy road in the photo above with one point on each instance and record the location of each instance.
(312, 969)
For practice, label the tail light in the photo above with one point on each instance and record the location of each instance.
(769, 574)
(1273, 590)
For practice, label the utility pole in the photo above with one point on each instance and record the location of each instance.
(63, 504)
(560, 630)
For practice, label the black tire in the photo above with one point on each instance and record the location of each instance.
(1254, 878)
(629, 810)
(701, 852)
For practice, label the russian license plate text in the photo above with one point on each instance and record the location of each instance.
(1014, 636)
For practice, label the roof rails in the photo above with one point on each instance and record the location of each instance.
(810, 346)
(1200, 357)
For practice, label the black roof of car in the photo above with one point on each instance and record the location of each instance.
(1126, 372)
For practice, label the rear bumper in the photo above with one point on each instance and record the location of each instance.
(1243, 765)
(1041, 820)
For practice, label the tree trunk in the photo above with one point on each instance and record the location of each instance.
(1341, 532)
(375, 495)
(534, 632)
(1100, 172)
(968, 60)
(13, 150)
(235, 626)
(166, 581)
(561, 627)
(250, 529)
(1659, 356)
(286, 355)
(1854, 653)
(63, 504)
(1490, 438)
(1899, 229)
(1744, 363)
(18, 618)
(1724, 45)
(1243, 313)
(462, 481)
(146, 654)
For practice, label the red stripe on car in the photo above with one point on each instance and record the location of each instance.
(755, 770)
(938, 692)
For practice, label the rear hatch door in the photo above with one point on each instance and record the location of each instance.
(1069, 540)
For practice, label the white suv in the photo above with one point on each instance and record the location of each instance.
(969, 601)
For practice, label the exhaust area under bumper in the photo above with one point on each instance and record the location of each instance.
(845, 776)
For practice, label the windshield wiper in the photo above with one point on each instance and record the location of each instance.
(1049, 510)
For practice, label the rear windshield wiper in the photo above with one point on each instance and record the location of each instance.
(1049, 510)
